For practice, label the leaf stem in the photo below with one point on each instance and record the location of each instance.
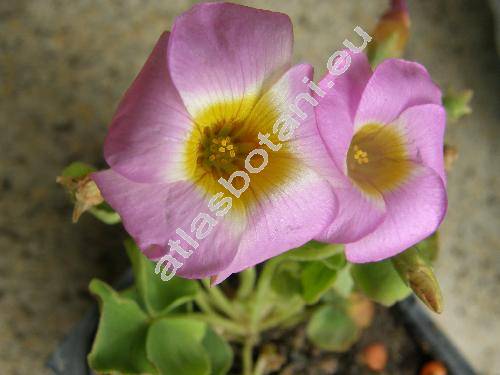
(260, 366)
(247, 355)
(247, 282)
(220, 301)
(262, 290)
(293, 311)
(217, 322)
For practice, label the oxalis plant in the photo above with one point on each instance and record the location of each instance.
(319, 198)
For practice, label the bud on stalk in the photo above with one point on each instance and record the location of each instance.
(419, 276)
(391, 34)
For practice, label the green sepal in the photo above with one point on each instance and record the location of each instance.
(77, 170)
(106, 214)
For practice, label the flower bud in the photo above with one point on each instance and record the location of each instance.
(83, 190)
(419, 276)
(391, 33)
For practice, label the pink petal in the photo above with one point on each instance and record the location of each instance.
(424, 126)
(336, 111)
(395, 86)
(306, 142)
(286, 220)
(357, 217)
(151, 213)
(414, 211)
(296, 212)
(224, 52)
(145, 140)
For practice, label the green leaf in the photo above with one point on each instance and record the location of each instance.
(77, 170)
(331, 328)
(158, 296)
(335, 262)
(314, 250)
(316, 278)
(380, 282)
(286, 279)
(219, 351)
(175, 346)
(130, 293)
(344, 283)
(120, 342)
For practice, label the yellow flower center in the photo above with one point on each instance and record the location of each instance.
(377, 159)
(223, 135)
(222, 149)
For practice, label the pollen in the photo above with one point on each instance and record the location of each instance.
(377, 160)
(217, 151)
(360, 156)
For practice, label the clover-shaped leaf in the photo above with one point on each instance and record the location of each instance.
(219, 352)
(331, 328)
(380, 282)
(316, 278)
(286, 279)
(120, 342)
(174, 346)
(183, 346)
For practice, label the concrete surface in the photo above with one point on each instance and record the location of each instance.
(64, 66)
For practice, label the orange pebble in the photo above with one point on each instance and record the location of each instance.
(375, 357)
(433, 368)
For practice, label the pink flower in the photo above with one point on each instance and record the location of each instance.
(211, 104)
(384, 130)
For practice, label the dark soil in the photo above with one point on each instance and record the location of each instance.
(296, 355)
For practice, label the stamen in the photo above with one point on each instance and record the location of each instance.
(217, 150)
(386, 167)
(360, 156)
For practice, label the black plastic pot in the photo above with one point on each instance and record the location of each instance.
(70, 358)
